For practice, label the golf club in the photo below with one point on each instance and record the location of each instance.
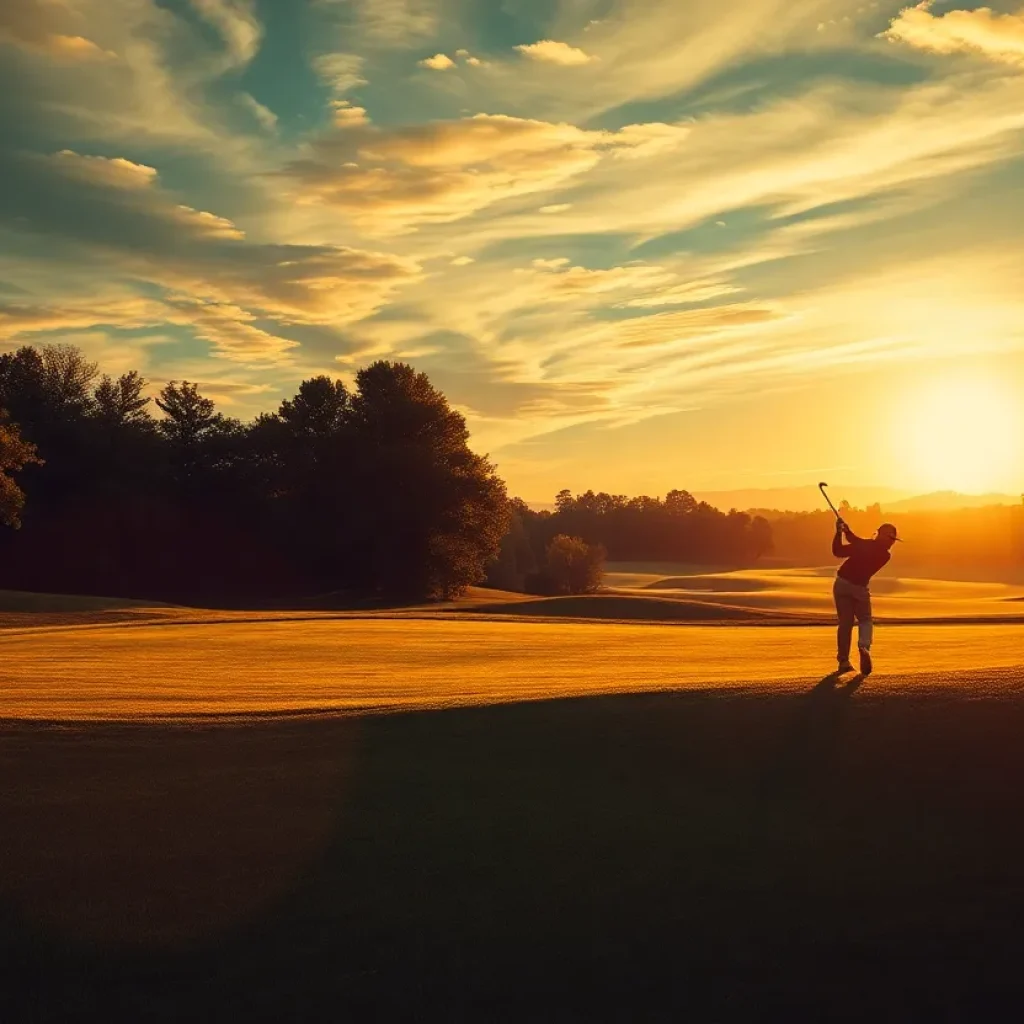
(824, 493)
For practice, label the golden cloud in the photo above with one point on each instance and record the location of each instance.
(129, 312)
(552, 52)
(997, 36)
(110, 172)
(392, 179)
(223, 282)
(44, 26)
(439, 62)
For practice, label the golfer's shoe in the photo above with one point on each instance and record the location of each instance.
(865, 662)
(844, 668)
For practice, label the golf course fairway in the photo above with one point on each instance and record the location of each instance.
(263, 666)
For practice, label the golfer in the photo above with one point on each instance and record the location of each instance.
(853, 598)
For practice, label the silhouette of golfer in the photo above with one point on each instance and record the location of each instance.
(853, 598)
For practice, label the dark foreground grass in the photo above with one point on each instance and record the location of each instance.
(668, 857)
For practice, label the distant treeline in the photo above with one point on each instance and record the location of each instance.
(373, 491)
(978, 543)
(677, 528)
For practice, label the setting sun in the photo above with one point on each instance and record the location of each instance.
(962, 433)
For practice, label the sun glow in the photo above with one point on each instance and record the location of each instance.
(963, 433)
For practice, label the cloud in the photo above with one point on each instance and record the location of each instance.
(552, 52)
(100, 170)
(150, 87)
(112, 214)
(230, 330)
(562, 280)
(556, 208)
(828, 146)
(46, 26)
(997, 36)
(670, 328)
(390, 23)
(264, 116)
(392, 179)
(132, 184)
(346, 115)
(17, 321)
(237, 23)
(343, 72)
(439, 62)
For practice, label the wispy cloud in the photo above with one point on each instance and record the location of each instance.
(389, 180)
(343, 72)
(237, 23)
(391, 23)
(117, 216)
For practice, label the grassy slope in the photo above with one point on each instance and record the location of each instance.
(808, 592)
(796, 855)
(638, 592)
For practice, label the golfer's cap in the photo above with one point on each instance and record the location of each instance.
(889, 530)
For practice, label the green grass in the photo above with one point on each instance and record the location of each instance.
(820, 855)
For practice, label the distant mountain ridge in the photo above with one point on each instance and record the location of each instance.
(949, 500)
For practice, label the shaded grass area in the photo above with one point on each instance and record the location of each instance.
(702, 856)
(625, 608)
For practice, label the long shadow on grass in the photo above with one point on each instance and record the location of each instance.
(808, 748)
(651, 857)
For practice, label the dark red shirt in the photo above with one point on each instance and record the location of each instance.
(863, 558)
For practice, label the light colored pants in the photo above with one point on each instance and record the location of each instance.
(853, 603)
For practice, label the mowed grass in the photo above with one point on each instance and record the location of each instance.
(803, 853)
(257, 665)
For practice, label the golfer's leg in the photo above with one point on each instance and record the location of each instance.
(845, 611)
(865, 623)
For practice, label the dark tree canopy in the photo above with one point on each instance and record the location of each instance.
(374, 493)
(121, 403)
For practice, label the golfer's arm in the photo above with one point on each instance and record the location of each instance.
(839, 549)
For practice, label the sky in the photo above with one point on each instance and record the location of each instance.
(639, 244)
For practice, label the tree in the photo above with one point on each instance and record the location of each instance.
(15, 454)
(573, 566)
(40, 386)
(68, 378)
(121, 403)
(430, 512)
(320, 408)
(680, 503)
(189, 416)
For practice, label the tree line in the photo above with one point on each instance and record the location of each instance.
(368, 492)
(372, 491)
(677, 528)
